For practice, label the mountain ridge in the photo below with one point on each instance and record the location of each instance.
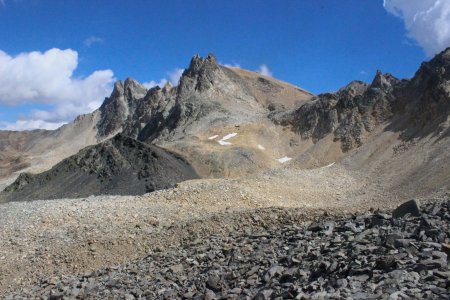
(212, 102)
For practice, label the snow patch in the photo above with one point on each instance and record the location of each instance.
(213, 137)
(284, 159)
(224, 143)
(261, 147)
(227, 137)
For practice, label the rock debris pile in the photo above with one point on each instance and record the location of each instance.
(398, 255)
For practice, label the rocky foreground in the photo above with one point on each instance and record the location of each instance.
(398, 255)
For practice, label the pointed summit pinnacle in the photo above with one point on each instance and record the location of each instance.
(199, 64)
(201, 74)
(383, 81)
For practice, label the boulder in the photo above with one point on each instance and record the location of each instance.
(410, 208)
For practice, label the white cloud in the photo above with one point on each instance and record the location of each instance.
(152, 83)
(232, 65)
(427, 21)
(30, 125)
(175, 75)
(174, 78)
(47, 78)
(92, 40)
(264, 70)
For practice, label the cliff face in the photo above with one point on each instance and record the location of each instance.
(425, 99)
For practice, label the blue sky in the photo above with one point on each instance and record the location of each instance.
(318, 45)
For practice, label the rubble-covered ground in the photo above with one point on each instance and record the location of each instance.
(382, 255)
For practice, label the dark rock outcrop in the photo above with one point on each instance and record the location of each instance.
(120, 166)
(425, 99)
(414, 107)
(347, 114)
(410, 208)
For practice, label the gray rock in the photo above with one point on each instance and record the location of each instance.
(408, 208)
(213, 282)
(282, 262)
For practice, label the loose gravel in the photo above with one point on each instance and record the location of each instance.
(369, 256)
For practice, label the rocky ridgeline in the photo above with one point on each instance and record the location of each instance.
(413, 107)
(348, 113)
(403, 255)
(168, 113)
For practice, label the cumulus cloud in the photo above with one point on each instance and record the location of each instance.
(427, 21)
(264, 70)
(174, 78)
(150, 84)
(92, 40)
(47, 77)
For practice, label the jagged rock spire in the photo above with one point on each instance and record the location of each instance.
(201, 74)
(202, 65)
(383, 81)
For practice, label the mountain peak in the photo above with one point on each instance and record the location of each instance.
(130, 81)
(201, 73)
(199, 64)
(133, 89)
(167, 87)
(383, 81)
(356, 87)
(118, 89)
(445, 54)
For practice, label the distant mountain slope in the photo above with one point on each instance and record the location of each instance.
(208, 94)
(415, 107)
(395, 131)
(347, 114)
(228, 122)
(120, 165)
(209, 97)
(39, 150)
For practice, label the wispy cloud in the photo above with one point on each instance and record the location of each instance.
(150, 84)
(47, 77)
(427, 21)
(92, 40)
(264, 70)
(232, 65)
(30, 125)
(173, 77)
